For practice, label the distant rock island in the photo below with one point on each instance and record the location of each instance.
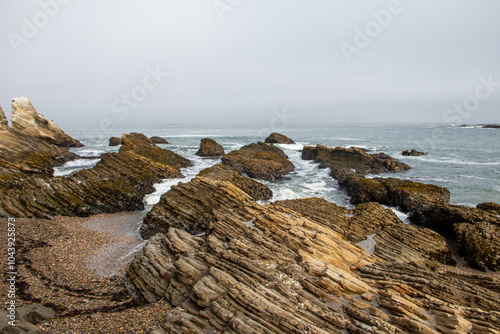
(484, 126)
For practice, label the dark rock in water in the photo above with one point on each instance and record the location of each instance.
(412, 153)
(287, 267)
(353, 159)
(118, 182)
(115, 141)
(491, 126)
(491, 206)
(259, 161)
(158, 140)
(476, 231)
(25, 119)
(210, 148)
(278, 138)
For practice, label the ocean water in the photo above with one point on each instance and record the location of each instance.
(464, 160)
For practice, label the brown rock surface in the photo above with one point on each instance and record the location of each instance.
(210, 148)
(259, 161)
(270, 269)
(25, 119)
(158, 140)
(115, 141)
(278, 138)
(491, 206)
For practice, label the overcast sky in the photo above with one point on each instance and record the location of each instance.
(235, 61)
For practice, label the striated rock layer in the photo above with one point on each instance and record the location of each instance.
(118, 182)
(293, 267)
(259, 161)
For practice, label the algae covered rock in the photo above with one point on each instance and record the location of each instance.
(159, 140)
(210, 148)
(115, 141)
(412, 153)
(278, 138)
(259, 161)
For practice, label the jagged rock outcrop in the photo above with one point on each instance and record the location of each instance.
(351, 165)
(118, 182)
(271, 269)
(256, 190)
(158, 140)
(412, 153)
(192, 206)
(26, 120)
(278, 138)
(115, 141)
(210, 148)
(4, 123)
(259, 161)
(476, 231)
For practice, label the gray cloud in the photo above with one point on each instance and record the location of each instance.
(263, 55)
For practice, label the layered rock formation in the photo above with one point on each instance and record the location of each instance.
(158, 140)
(26, 120)
(293, 267)
(278, 138)
(206, 195)
(118, 182)
(259, 161)
(412, 153)
(210, 148)
(115, 141)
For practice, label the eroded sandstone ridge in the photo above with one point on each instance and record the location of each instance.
(26, 120)
(230, 265)
(118, 182)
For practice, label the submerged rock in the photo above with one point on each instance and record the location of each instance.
(278, 138)
(413, 153)
(115, 141)
(158, 140)
(259, 161)
(210, 148)
(26, 120)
